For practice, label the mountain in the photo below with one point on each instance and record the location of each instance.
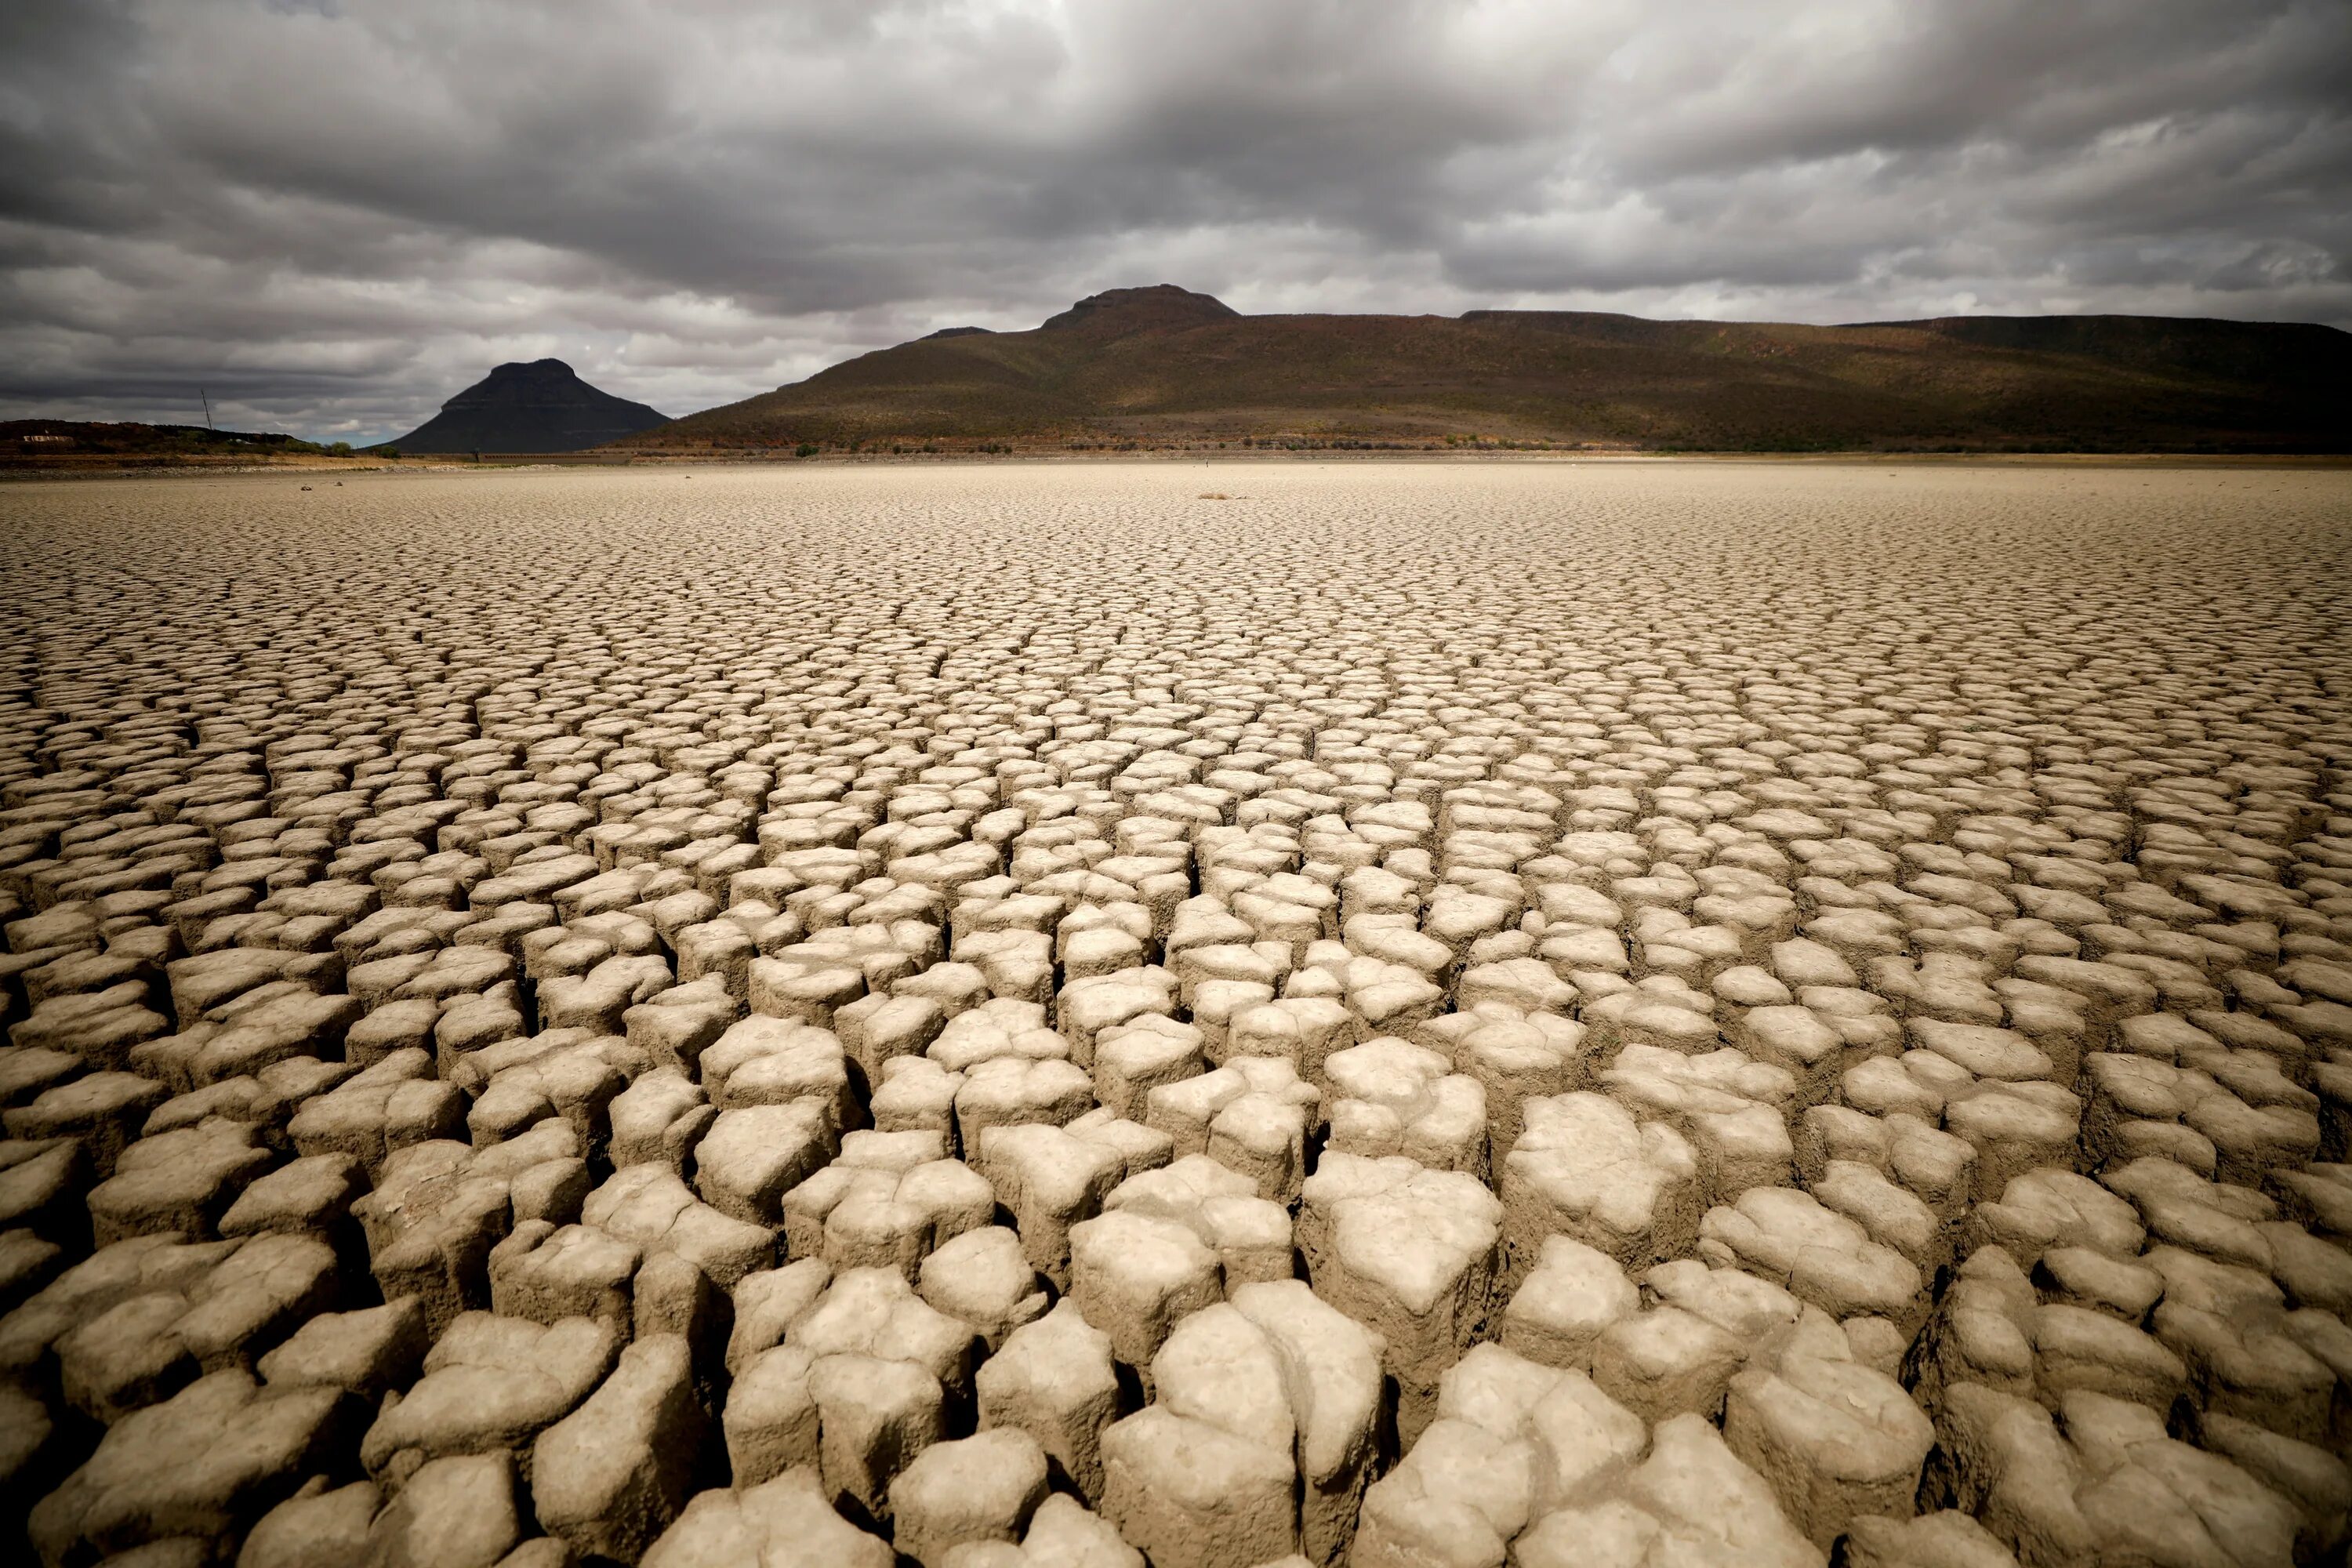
(540, 406)
(1165, 365)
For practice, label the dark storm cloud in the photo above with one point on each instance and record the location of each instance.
(333, 215)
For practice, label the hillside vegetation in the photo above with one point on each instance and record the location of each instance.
(70, 444)
(1162, 363)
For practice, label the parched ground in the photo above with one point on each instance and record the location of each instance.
(1037, 1018)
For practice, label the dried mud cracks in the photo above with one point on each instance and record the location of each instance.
(1414, 1018)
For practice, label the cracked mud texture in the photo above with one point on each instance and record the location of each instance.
(1425, 1018)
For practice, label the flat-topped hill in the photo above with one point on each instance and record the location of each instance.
(541, 406)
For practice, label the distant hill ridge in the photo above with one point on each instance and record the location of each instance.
(540, 406)
(71, 444)
(1165, 362)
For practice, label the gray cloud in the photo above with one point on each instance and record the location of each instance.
(332, 214)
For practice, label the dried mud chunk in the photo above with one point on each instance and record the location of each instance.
(886, 1373)
(770, 1422)
(102, 1112)
(1133, 1277)
(1134, 1058)
(522, 1082)
(2218, 1220)
(649, 1206)
(439, 1208)
(1084, 1009)
(27, 1262)
(2080, 1277)
(1586, 1168)
(1667, 1361)
(720, 950)
(1574, 1294)
(1891, 1216)
(2042, 1209)
(1331, 1375)
(313, 1193)
(658, 1119)
(1269, 1108)
(146, 1347)
(2105, 1479)
(2077, 1348)
(315, 1528)
(1460, 1497)
(1836, 1440)
(875, 1417)
(753, 1155)
(256, 1297)
(125, 1358)
(916, 1094)
(1824, 1257)
(1945, 1539)
(1304, 1031)
(203, 1464)
(206, 981)
(489, 1383)
(1693, 1496)
(1217, 1370)
(1509, 1440)
(769, 1061)
(462, 1511)
(779, 1523)
(999, 1029)
(1391, 1096)
(1517, 1058)
(1053, 1380)
(1411, 1253)
(387, 1106)
(675, 1027)
(870, 1208)
(2315, 1481)
(1796, 1040)
(1190, 1495)
(979, 1489)
(1728, 1107)
(612, 1476)
(182, 1181)
(293, 1024)
(41, 1187)
(367, 1351)
(27, 1070)
(544, 1274)
(2313, 1272)
(1009, 1091)
(2246, 1363)
(982, 1277)
(1062, 1534)
(1764, 1317)
(1050, 1178)
(600, 1000)
(2016, 1128)
(144, 1266)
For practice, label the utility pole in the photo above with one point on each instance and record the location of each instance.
(208, 406)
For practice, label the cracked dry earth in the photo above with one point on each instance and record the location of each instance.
(1413, 1017)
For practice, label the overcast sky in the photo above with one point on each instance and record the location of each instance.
(334, 214)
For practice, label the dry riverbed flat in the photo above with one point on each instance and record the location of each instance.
(1415, 1015)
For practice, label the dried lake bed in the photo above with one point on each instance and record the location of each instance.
(1043, 1016)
